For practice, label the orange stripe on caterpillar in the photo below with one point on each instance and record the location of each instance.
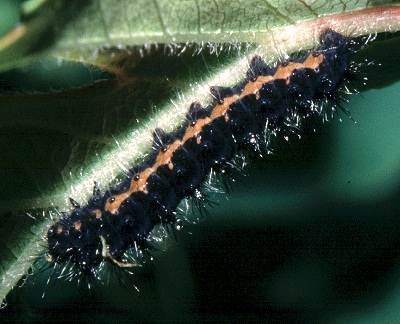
(122, 219)
(284, 71)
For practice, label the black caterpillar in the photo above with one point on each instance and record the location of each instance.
(269, 98)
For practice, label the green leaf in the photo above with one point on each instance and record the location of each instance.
(127, 23)
(284, 25)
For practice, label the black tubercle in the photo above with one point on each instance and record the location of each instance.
(91, 234)
(196, 112)
(161, 140)
(220, 93)
(259, 67)
(74, 203)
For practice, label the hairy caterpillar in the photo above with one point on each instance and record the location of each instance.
(269, 100)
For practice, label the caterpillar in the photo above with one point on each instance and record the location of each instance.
(270, 99)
